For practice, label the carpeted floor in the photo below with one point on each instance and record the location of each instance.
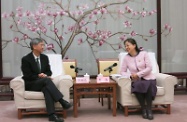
(92, 111)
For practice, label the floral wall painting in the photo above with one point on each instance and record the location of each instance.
(97, 25)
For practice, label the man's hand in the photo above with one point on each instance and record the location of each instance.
(134, 77)
(42, 75)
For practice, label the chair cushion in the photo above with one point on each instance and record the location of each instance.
(32, 95)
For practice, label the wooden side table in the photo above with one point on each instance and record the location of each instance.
(180, 75)
(92, 89)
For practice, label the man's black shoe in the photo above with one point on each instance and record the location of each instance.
(65, 104)
(55, 118)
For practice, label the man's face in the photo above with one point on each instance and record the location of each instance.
(39, 47)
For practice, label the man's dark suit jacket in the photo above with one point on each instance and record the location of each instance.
(30, 70)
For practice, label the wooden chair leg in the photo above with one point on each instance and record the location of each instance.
(168, 109)
(64, 114)
(20, 114)
(126, 110)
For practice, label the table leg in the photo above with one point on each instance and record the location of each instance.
(75, 102)
(186, 84)
(109, 101)
(114, 100)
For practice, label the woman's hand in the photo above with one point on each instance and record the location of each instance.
(134, 77)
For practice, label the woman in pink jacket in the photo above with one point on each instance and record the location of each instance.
(143, 81)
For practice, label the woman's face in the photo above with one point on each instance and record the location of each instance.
(129, 47)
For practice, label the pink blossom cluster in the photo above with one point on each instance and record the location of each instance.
(168, 27)
(143, 13)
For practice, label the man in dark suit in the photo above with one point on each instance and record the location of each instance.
(36, 74)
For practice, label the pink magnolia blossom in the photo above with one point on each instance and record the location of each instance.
(96, 22)
(16, 39)
(128, 9)
(55, 14)
(141, 48)
(166, 26)
(104, 37)
(89, 33)
(11, 26)
(49, 22)
(49, 13)
(91, 16)
(103, 10)
(101, 42)
(71, 28)
(66, 57)
(152, 31)
(56, 30)
(133, 33)
(121, 12)
(62, 13)
(119, 46)
(80, 12)
(170, 29)
(143, 13)
(151, 13)
(82, 23)
(123, 37)
(50, 46)
(94, 36)
(25, 36)
(80, 41)
(19, 14)
(43, 29)
(19, 9)
(27, 13)
(34, 29)
(61, 38)
(95, 12)
(134, 13)
(127, 24)
(5, 15)
(19, 21)
(155, 11)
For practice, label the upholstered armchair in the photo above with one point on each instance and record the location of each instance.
(165, 89)
(30, 102)
(128, 101)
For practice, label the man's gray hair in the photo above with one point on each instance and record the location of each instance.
(35, 41)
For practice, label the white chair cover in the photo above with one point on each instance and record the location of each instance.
(55, 61)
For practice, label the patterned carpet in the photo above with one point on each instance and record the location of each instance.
(92, 111)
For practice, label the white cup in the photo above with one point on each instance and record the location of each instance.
(87, 77)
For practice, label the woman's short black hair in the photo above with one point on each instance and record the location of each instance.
(132, 41)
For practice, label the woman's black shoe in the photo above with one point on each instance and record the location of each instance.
(55, 118)
(144, 113)
(149, 114)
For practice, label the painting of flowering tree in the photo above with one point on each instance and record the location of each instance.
(78, 29)
(47, 19)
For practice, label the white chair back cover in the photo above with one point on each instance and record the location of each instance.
(55, 61)
(155, 68)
